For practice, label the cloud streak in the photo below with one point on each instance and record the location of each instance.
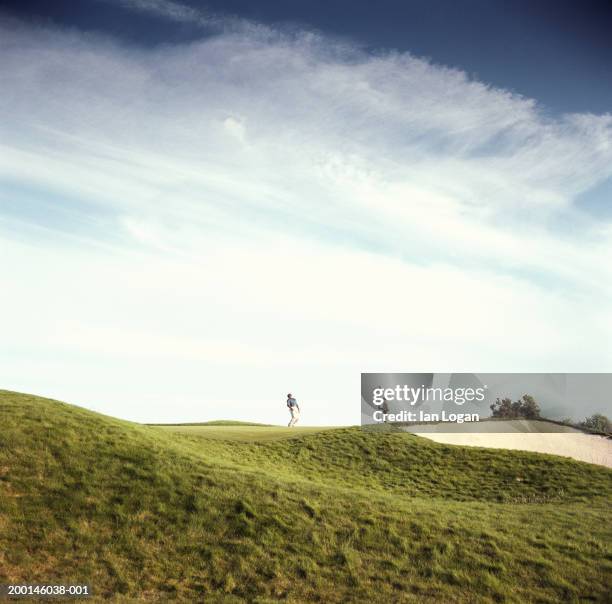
(169, 10)
(208, 21)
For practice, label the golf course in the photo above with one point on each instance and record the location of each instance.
(230, 512)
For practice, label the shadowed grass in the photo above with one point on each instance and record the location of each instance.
(156, 514)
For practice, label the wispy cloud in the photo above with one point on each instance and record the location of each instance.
(163, 8)
(315, 209)
(182, 13)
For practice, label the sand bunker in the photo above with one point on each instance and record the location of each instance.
(575, 444)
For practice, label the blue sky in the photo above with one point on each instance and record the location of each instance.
(203, 210)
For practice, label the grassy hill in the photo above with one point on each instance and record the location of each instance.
(326, 515)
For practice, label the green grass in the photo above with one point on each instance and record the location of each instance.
(242, 432)
(216, 422)
(194, 513)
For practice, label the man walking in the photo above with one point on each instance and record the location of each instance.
(294, 409)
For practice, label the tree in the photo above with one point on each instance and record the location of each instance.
(502, 408)
(597, 423)
(529, 407)
(526, 407)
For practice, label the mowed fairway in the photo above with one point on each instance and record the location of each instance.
(240, 432)
(213, 514)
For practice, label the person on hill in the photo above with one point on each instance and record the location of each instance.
(294, 409)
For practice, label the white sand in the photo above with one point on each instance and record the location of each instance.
(575, 444)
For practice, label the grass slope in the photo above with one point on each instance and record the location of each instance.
(151, 513)
(246, 432)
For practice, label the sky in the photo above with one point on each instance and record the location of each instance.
(204, 206)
